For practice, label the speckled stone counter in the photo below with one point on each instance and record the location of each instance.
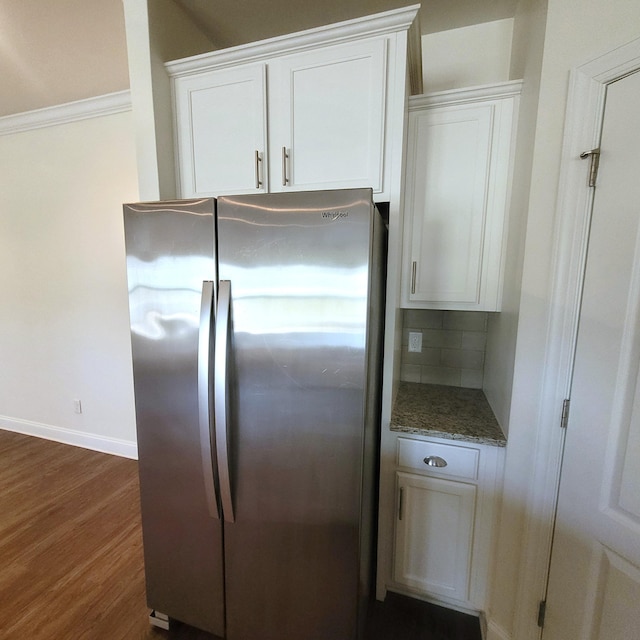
(453, 413)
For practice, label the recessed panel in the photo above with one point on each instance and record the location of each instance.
(618, 608)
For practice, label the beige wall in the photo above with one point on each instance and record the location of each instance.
(64, 331)
(467, 57)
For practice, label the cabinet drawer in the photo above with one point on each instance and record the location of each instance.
(461, 462)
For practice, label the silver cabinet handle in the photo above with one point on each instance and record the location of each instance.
(258, 165)
(285, 156)
(435, 461)
(221, 388)
(414, 265)
(204, 407)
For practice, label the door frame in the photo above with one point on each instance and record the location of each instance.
(583, 124)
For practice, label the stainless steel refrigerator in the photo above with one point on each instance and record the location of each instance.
(256, 326)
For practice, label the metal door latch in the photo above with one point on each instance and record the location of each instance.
(594, 154)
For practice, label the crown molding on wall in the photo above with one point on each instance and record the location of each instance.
(95, 442)
(99, 106)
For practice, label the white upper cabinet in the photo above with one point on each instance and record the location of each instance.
(326, 117)
(221, 131)
(456, 201)
(320, 109)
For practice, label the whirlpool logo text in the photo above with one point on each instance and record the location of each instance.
(335, 215)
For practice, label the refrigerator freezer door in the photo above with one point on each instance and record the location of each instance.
(170, 252)
(299, 266)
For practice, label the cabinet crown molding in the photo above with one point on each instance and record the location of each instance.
(377, 24)
(470, 94)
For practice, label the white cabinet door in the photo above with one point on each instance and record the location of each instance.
(326, 117)
(434, 535)
(221, 131)
(458, 164)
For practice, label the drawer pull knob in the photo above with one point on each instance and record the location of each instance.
(435, 461)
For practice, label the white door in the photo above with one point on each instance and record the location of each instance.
(221, 131)
(594, 582)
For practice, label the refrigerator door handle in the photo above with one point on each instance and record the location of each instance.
(204, 411)
(221, 385)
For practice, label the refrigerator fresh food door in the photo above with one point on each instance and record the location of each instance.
(300, 269)
(223, 373)
(171, 271)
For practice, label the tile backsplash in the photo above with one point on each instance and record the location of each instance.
(453, 346)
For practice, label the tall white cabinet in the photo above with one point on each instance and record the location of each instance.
(315, 110)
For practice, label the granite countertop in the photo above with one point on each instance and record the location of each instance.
(454, 413)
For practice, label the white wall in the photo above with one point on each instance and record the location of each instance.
(64, 331)
(576, 31)
(466, 57)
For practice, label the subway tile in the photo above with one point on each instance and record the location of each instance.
(440, 375)
(465, 320)
(462, 359)
(440, 338)
(474, 340)
(430, 356)
(427, 356)
(423, 318)
(453, 355)
(410, 373)
(471, 378)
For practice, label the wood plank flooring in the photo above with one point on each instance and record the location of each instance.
(71, 555)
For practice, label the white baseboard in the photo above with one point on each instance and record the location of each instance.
(104, 444)
(496, 632)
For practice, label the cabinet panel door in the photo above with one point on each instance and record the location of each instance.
(434, 531)
(450, 151)
(221, 131)
(327, 110)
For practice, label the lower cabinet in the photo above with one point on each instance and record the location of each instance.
(434, 534)
(446, 500)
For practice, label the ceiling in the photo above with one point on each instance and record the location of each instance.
(57, 51)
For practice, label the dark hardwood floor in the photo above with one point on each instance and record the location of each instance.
(71, 555)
